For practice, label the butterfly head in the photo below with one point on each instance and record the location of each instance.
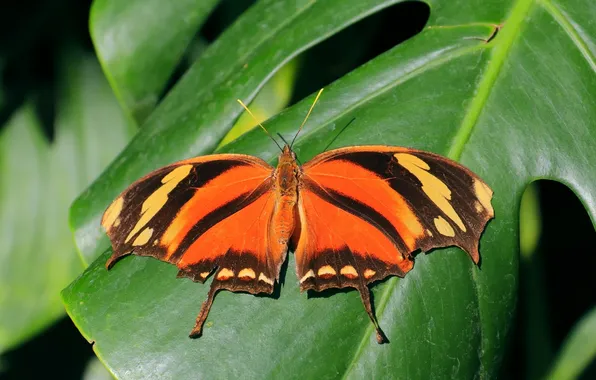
(287, 159)
(287, 153)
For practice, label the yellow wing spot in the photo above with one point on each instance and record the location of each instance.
(225, 274)
(155, 242)
(204, 275)
(265, 279)
(349, 272)
(247, 274)
(478, 207)
(429, 233)
(143, 237)
(434, 188)
(444, 227)
(308, 275)
(369, 273)
(158, 199)
(484, 194)
(326, 272)
(112, 213)
(116, 223)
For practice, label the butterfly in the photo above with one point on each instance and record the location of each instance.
(352, 216)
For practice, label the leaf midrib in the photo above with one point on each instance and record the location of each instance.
(501, 47)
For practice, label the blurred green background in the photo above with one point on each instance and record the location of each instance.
(64, 117)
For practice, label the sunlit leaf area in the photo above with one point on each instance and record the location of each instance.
(96, 94)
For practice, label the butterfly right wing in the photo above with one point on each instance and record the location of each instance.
(365, 210)
(206, 215)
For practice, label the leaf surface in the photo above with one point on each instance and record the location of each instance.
(506, 88)
(38, 182)
(140, 42)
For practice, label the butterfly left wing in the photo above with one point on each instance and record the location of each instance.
(364, 211)
(207, 215)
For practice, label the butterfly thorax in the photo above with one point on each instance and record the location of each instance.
(286, 176)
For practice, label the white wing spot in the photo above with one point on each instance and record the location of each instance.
(349, 272)
(265, 279)
(308, 275)
(369, 273)
(225, 274)
(247, 274)
(326, 271)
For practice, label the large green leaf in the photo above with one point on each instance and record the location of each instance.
(140, 42)
(38, 181)
(272, 98)
(519, 107)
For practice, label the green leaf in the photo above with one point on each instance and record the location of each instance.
(578, 351)
(140, 42)
(38, 182)
(273, 97)
(96, 371)
(519, 107)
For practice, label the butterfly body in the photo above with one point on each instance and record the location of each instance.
(287, 179)
(352, 216)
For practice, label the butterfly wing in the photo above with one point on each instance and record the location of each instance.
(364, 211)
(207, 215)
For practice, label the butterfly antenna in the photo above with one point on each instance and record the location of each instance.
(306, 118)
(282, 138)
(260, 125)
(336, 136)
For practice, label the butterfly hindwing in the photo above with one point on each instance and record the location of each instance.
(209, 216)
(364, 211)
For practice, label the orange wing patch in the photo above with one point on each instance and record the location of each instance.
(221, 190)
(369, 246)
(371, 189)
